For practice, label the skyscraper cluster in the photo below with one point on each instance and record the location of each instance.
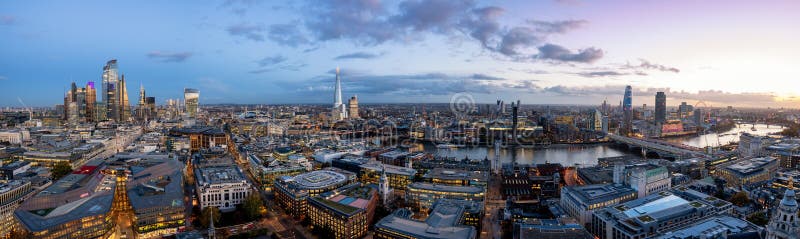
(146, 109)
(115, 93)
(79, 103)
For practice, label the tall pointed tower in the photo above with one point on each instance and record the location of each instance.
(785, 224)
(339, 112)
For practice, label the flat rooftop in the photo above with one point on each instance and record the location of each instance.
(747, 166)
(319, 179)
(457, 174)
(390, 169)
(717, 224)
(219, 174)
(441, 223)
(445, 188)
(591, 194)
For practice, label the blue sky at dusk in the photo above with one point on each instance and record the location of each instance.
(742, 53)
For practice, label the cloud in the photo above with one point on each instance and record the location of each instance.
(516, 38)
(238, 7)
(559, 53)
(486, 77)
(250, 31)
(169, 56)
(363, 21)
(3, 78)
(601, 73)
(271, 60)
(7, 20)
(287, 35)
(434, 83)
(296, 66)
(358, 55)
(430, 15)
(647, 65)
(369, 23)
(557, 26)
(715, 98)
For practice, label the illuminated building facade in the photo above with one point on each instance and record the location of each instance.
(421, 196)
(221, 186)
(399, 177)
(747, 171)
(191, 97)
(76, 206)
(114, 93)
(581, 201)
(12, 193)
(292, 192)
(347, 211)
(446, 220)
(352, 105)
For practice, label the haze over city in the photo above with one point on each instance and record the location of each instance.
(739, 53)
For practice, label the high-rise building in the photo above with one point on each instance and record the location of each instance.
(125, 106)
(191, 97)
(339, 112)
(91, 101)
(661, 108)
(627, 111)
(596, 122)
(142, 109)
(150, 104)
(110, 87)
(353, 106)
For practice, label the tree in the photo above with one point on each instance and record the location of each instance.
(740, 199)
(759, 218)
(206, 213)
(60, 170)
(252, 205)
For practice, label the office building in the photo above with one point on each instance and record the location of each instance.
(627, 112)
(661, 108)
(785, 224)
(747, 171)
(646, 217)
(12, 193)
(76, 206)
(347, 212)
(751, 145)
(221, 186)
(581, 201)
(268, 170)
(91, 102)
(718, 226)
(560, 228)
(338, 112)
(398, 177)
(292, 192)
(202, 137)
(191, 98)
(421, 196)
(648, 179)
(156, 194)
(596, 121)
(445, 221)
(457, 177)
(352, 105)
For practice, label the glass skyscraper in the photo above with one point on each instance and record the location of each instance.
(627, 111)
(191, 98)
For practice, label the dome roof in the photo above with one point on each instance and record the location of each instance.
(789, 199)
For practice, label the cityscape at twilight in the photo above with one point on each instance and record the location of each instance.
(399, 119)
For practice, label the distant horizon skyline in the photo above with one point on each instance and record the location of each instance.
(737, 53)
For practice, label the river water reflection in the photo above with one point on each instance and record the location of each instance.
(572, 155)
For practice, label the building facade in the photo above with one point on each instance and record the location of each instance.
(191, 98)
(785, 223)
(581, 201)
(421, 196)
(12, 193)
(347, 212)
(221, 186)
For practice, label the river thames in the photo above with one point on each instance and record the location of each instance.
(584, 155)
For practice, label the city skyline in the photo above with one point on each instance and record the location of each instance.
(548, 52)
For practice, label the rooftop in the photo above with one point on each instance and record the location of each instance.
(711, 227)
(442, 223)
(591, 194)
(319, 179)
(390, 169)
(445, 188)
(456, 174)
(747, 166)
(219, 174)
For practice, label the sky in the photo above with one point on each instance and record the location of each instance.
(715, 53)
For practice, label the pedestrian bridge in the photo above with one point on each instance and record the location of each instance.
(661, 147)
